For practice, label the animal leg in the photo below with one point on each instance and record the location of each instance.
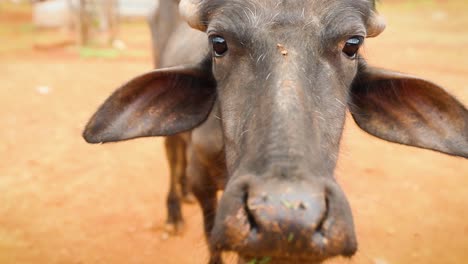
(205, 191)
(177, 165)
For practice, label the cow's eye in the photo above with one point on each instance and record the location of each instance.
(219, 46)
(352, 46)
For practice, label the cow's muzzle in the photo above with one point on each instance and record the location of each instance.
(286, 221)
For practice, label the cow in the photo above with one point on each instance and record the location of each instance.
(261, 90)
(163, 21)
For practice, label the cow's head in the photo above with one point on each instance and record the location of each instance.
(284, 73)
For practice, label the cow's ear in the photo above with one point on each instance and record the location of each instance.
(408, 110)
(159, 103)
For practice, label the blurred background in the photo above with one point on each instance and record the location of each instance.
(63, 201)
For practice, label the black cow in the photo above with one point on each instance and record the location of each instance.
(264, 86)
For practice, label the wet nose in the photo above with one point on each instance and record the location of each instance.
(302, 221)
(288, 218)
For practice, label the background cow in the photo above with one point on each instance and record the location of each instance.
(163, 22)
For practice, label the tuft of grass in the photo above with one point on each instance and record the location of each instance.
(253, 261)
(265, 260)
(88, 52)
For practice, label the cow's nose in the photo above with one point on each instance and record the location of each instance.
(283, 221)
(287, 216)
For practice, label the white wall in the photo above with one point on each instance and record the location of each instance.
(55, 13)
(136, 8)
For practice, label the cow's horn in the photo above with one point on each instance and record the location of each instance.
(190, 11)
(375, 25)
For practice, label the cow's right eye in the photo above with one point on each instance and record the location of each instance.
(219, 46)
(352, 46)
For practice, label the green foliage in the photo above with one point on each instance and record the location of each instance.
(89, 52)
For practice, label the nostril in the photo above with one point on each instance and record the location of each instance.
(319, 238)
(250, 217)
(321, 229)
(302, 206)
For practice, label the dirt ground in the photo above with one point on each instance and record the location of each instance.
(65, 202)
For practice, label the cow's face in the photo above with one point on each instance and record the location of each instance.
(284, 73)
(284, 70)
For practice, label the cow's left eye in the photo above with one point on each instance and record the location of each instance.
(220, 46)
(352, 46)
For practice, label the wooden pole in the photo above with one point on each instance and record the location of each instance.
(83, 24)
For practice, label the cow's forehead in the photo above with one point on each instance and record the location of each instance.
(258, 13)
